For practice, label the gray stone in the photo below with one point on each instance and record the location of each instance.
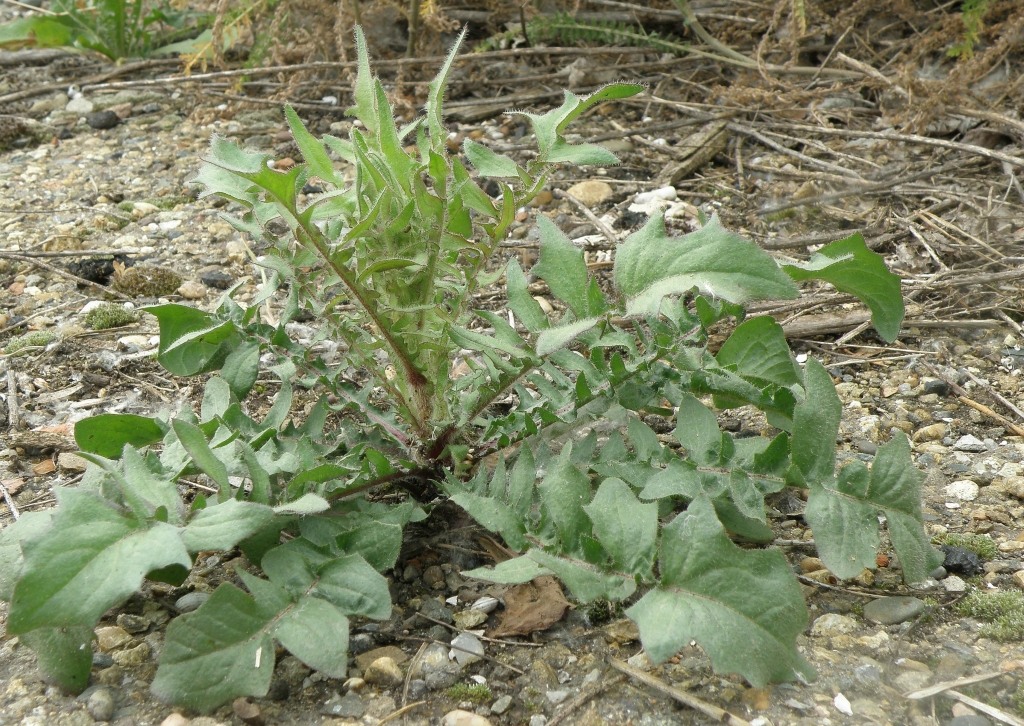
(891, 610)
(347, 706)
(502, 704)
(100, 120)
(191, 601)
(969, 443)
(954, 584)
(970, 719)
(101, 704)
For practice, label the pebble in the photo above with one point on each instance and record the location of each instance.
(969, 443)
(591, 192)
(191, 601)
(458, 717)
(954, 584)
(931, 432)
(501, 705)
(383, 672)
(972, 719)
(110, 637)
(348, 706)
(101, 704)
(79, 105)
(892, 610)
(1018, 579)
(963, 489)
(175, 719)
(831, 624)
(466, 649)
(192, 290)
(247, 711)
(396, 654)
(101, 120)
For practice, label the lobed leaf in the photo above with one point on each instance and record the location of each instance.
(650, 265)
(743, 607)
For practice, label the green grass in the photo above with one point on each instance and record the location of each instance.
(980, 544)
(1002, 613)
(478, 693)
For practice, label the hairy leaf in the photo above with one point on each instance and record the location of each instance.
(743, 607)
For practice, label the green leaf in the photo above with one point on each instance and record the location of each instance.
(586, 581)
(697, 431)
(844, 515)
(743, 607)
(355, 587)
(64, 654)
(147, 492)
(194, 441)
(191, 341)
(241, 368)
(758, 348)
(649, 265)
(489, 163)
(301, 630)
(521, 302)
(495, 516)
(220, 651)
(559, 336)
(306, 504)
(107, 433)
(27, 527)
(510, 572)
(845, 525)
(222, 526)
(435, 94)
(816, 425)
(91, 559)
(313, 151)
(564, 491)
(626, 528)
(581, 155)
(854, 269)
(562, 267)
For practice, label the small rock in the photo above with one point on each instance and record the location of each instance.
(247, 711)
(468, 619)
(175, 719)
(191, 601)
(192, 290)
(79, 105)
(101, 704)
(133, 623)
(237, 251)
(891, 610)
(965, 490)
(969, 443)
(543, 199)
(556, 697)
(111, 637)
(466, 649)
(664, 194)
(972, 719)
(396, 654)
(217, 279)
(961, 561)
(501, 705)
(132, 657)
(100, 120)
(954, 584)
(831, 624)
(71, 462)
(459, 717)
(932, 432)
(1018, 578)
(433, 577)
(591, 192)
(384, 672)
(347, 706)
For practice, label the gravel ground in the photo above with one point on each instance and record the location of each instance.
(123, 189)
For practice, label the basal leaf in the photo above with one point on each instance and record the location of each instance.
(559, 336)
(302, 630)
(854, 269)
(64, 654)
(93, 558)
(195, 443)
(510, 572)
(222, 526)
(564, 491)
(626, 528)
(816, 425)
(107, 433)
(758, 347)
(495, 515)
(743, 607)
(650, 265)
(582, 155)
(192, 341)
(521, 302)
(28, 526)
(354, 587)
(586, 581)
(844, 523)
(219, 652)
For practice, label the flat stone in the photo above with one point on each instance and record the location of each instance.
(964, 489)
(101, 704)
(892, 610)
(363, 660)
(111, 637)
(969, 443)
(954, 584)
(384, 672)
(458, 717)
